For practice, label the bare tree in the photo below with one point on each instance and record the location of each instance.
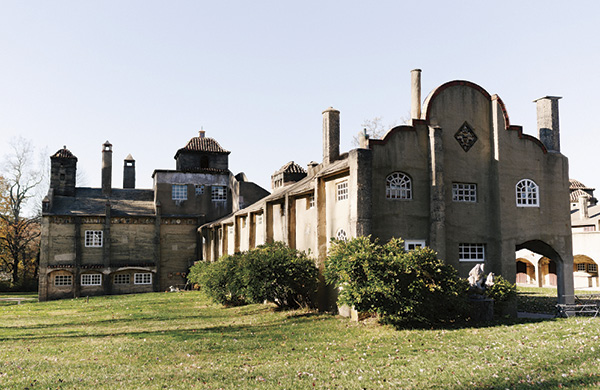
(374, 128)
(19, 233)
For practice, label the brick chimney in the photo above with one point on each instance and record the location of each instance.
(583, 207)
(107, 168)
(547, 122)
(129, 172)
(331, 135)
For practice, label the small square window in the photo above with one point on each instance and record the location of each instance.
(410, 245)
(199, 189)
(122, 279)
(63, 280)
(592, 268)
(342, 190)
(581, 267)
(219, 193)
(179, 192)
(471, 252)
(142, 278)
(91, 280)
(464, 192)
(93, 238)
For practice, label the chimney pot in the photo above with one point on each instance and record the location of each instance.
(201, 133)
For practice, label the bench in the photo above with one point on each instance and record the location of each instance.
(572, 310)
(17, 299)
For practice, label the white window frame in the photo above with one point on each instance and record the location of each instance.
(93, 238)
(398, 186)
(468, 252)
(91, 279)
(122, 279)
(342, 190)
(142, 278)
(464, 192)
(310, 202)
(199, 189)
(410, 245)
(179, 192)
(259, 219)
(527, 193)
(580, 267)
(218, 193)
(592, 268)
(63, 280)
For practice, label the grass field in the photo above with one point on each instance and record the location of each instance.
(182, 341)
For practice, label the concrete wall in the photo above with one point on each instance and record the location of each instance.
(195, 204)
(337, 211)
(306, 225)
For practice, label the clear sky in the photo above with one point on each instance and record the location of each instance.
(256, 75)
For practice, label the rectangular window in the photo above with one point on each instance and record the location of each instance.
(589, 228)
(145, 278)
(230, 230)
(410, 245)
(219, 193)
(179, 192)
(199, 189)
(63, 280)
(581, 267)
(342, 190)
(592, 268)
(122, 279)
(463, 192)
(91, 280)
(259, 219)
(93, 238)
(471, 252)
(311, 202)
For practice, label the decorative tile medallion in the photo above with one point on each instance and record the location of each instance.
(466, 137)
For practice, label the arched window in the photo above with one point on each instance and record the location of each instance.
(341, 235)
(527, 193)
(398, 186)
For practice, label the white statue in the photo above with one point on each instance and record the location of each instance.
(476, 276)
(489, 282)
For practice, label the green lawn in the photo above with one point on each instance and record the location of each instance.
(181, 341)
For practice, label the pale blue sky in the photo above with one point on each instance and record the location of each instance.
(147, 75)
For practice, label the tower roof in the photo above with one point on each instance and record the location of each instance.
(202, 144)
(290, 167)
(577, 185)
(63, 153)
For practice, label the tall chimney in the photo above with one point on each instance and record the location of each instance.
(201, 133)
(547, 122)
(415, 94)
(583, 207)
(129, 172)
(107, 168)
(331, 135)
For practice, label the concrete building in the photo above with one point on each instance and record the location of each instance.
(536, 270)
(459, 178)
(111, 241)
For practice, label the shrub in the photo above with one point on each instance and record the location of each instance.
(401, 287)
(194, 276)
(222, 280)
(502, 292)
(271, 272)
(279, 274)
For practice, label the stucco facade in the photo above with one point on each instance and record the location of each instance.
(109, 240)
(459, 178)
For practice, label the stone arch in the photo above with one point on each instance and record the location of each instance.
(526, 274)
(556, 264)
(585, 272)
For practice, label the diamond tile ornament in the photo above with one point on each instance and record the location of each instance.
(466, 136)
